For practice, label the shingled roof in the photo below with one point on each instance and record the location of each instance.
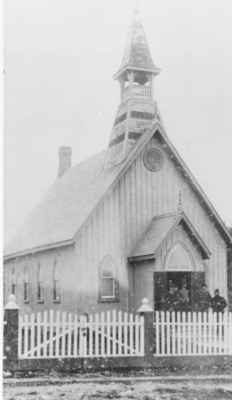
(65, 207)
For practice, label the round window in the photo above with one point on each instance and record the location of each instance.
(153, 159)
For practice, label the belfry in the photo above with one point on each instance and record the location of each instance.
(137, 109)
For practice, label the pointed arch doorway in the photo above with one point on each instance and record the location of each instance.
(179, 276)
(179, 258)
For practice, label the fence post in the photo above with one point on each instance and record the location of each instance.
(11, 327)
(146, 311)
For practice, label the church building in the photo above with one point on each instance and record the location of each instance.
(125, 224)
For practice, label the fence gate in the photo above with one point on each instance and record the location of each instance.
(65, 335)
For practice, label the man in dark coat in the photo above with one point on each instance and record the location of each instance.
(218, 303)
(204, 299)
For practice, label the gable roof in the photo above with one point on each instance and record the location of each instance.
(159, 229)
(73, 197)
(64, 208)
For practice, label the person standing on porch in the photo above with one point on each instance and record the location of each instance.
(173, 298)
(184, 296)
(204, 299)
(218, 303)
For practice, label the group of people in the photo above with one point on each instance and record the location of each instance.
(178, 299)
(217, 302)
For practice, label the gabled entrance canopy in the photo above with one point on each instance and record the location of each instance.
(159, 229)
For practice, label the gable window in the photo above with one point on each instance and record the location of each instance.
(13, 282)
(40, 287)
(109, 289)
(56, 292)
(26, 286)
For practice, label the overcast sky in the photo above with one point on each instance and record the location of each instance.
(60, 56)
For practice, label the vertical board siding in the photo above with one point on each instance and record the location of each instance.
(114, 228)
(159, 192)
(119, 221)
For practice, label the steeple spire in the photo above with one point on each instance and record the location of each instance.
(137, 110)
(137, 55)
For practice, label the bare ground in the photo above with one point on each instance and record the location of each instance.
(137, 391)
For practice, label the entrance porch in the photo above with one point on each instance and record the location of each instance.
(170, 265)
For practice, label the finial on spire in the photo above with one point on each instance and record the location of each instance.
(137, 4)
(136, 10)
(179, 209)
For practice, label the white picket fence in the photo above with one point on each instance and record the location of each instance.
(192, 333)
(120, 334)
(66, 335)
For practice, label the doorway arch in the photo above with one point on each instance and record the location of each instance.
(179, 258)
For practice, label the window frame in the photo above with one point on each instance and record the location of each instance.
(26, 286)
(107, 272)
(108, 276)
(13, 284)
(40, 287)
(56, 290)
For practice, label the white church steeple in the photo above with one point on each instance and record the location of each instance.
(137, 109)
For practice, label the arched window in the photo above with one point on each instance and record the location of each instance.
(56, 284)
(40, 287)
(179, 259)
(109, 289)
(26, 285)
(13, 281)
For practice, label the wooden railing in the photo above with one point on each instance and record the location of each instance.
(192, 333)
(63, 335)
(137, 91)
